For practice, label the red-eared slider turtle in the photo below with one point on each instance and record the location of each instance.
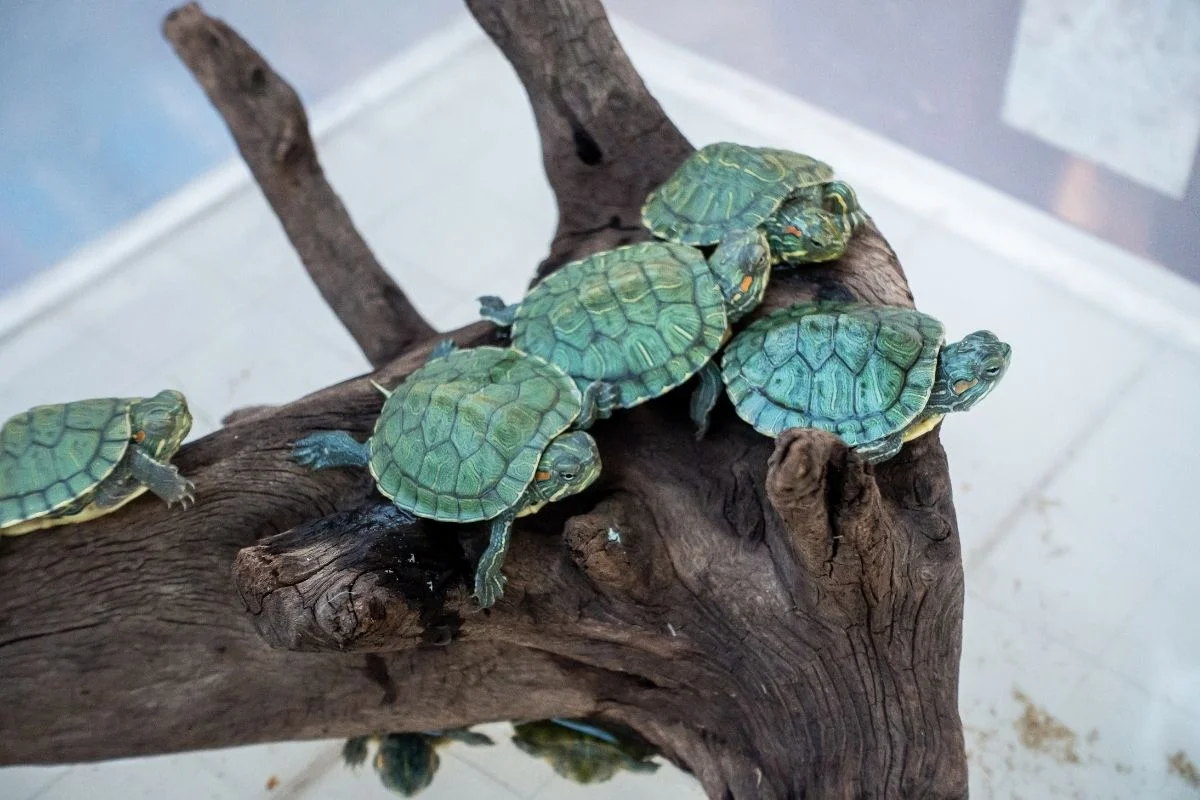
(407, 762)
(725, 188)
(76, 461)
(643, 318)
(876, 376)
(582, 751)
(472, 435)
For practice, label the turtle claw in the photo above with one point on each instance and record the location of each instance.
(310, 451)
(185, 495)
(489, 588)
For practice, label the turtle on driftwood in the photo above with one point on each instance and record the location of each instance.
(876, 376)
(724, 189)
(76, 461)
(643, 318)
(487, 433)
(583, 752)
(406, 763)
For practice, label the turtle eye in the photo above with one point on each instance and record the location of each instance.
(568, 476)
(992, 371)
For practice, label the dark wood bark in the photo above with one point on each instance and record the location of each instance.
(269, 125)
(604, 137)
(778, 617)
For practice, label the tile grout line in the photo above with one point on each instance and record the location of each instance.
(487, 775)
(42, 792)
(1022, 506)
(319, 766)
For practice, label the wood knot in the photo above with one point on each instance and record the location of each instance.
(608, 550)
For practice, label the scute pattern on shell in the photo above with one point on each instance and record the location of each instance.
(460, 439)
(53, 455)
(644, 317)
(726, 186)
(862, 372)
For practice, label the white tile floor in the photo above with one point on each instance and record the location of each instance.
(1081, 666)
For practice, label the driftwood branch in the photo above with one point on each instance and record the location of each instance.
(604, 138)
(269, 125)
(780, 618)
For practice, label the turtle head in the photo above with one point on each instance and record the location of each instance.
(802, 232)
(406, 762)
(967, 371)
(568, 466)
(742, 266)
(161, 423)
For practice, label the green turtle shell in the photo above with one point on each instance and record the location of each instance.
(726, 186)
(460, 439)
(644, 317)
(861, 372)
(54, 456)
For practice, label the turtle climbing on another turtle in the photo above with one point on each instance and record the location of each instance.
(643, 318)
(487, 433)
(76, 461)
(583, 751)
(407, 762)
(877, 376)
(724, 189)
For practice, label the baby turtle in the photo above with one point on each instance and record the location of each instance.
(76, 461)
(725, 188)
(407, 762)
(643, 318)
(582, 751)
(876, 376)
(487, 433)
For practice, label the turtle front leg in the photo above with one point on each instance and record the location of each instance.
(354, 751)
(162, 479)
(881, 449)
(840, 199)
(493, 308)
(705, 397)
(330, 449)
(489, 581)
(599, 400)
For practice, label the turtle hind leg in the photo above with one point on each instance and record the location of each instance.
(162, 479)
(704, 397)
(489, 580)
(330, 449)
(881, 449)
(493, 308)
